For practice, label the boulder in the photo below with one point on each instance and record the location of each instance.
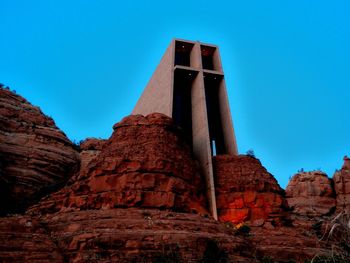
(311, 194)
(246, 192)
(341, 180)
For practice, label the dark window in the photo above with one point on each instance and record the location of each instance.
(183, 53)
(207, 62)
(182, 104)
(208, 57)
(212, 85)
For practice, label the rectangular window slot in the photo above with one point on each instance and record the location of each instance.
(212, 84)
(210, 59)
(182, 101)
(183, 53)
(213, 148)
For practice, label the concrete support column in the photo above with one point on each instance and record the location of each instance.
(201, 141)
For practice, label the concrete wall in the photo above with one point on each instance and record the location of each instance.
(158, 94)
(226, 119)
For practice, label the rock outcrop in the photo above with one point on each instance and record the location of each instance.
(290, 244)
(342, 186)
(246, 192)
(124, 204)
(24, 239)
(35, 156)
(144, 235)
(145, 163)
(89, 151)
(311, 194)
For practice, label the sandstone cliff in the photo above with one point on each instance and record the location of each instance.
(341, 180)
(315, 195)
(311, 194)
(35, 156)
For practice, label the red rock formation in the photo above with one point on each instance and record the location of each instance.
(120, 235)
(89, 219)
(145, 163)
(134, 197)
(143, 235)
(35, 156)
(89, 150)
(147, 235)
(342, 186)
(311, 194)
(245, 191)
(23, 239)
(290, 244)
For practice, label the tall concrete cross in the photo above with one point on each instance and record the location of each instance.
(189, 86)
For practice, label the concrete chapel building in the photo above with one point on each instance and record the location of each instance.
(189, 86)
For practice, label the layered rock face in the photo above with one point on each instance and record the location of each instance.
(342, 186)
(291, 244)
(144, 235)
(311, 194)
(35, 156)
(24, 239)
(246, 192)
(145, 163)
(89, 150)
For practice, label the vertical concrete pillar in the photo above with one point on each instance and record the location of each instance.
(200, 133)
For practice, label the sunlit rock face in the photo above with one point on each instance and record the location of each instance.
(311, 194)
(35, 156)
(246, 192)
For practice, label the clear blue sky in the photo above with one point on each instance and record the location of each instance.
(287, 67)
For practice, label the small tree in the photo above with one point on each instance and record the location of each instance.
(250, 153)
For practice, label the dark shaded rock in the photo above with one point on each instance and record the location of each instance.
(36, 157)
